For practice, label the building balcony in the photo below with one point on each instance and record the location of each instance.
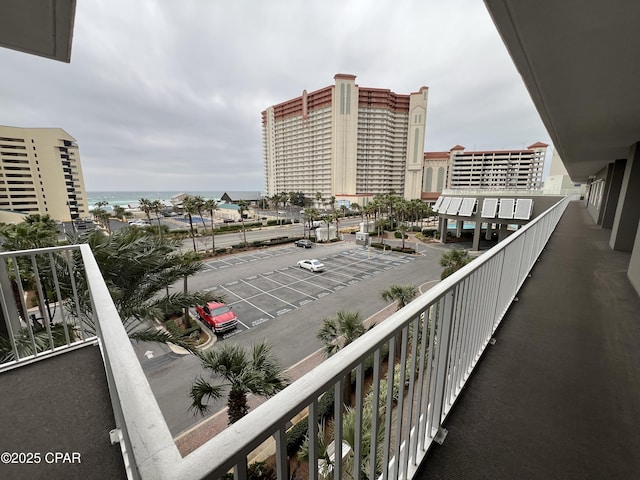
(523, 364)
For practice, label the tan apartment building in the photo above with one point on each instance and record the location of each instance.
(498, 169)
(40, 172)
(346, 141)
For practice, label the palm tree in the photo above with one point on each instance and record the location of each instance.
(198, 201)
(25, 340)
(189, 207)
(243, 206)
(35, 231)
(102, 216)
(336, 333)
(137, 268)
(118, 212)
(156, 206)
(453, 261)
(358, 208)
(310, 214)
(146, 206)
(211, 206)
(403, 294)
(332, 203)
(259, 373)
(319, 198)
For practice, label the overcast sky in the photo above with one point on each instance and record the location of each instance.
(167, 95)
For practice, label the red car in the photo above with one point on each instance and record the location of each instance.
(217, 316)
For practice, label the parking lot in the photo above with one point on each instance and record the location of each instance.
(265, 296)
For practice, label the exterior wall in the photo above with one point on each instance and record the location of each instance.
(40, 172)
(595, 194)
(345, 141)
(508, 169)
(345, 136)
(415, 144)
(627, 217)
(435, 167)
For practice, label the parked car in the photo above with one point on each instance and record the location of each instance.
(139, 223)
(312, 265)
(217, 316)
(304, 243)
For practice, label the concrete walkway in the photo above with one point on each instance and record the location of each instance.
(558, 395)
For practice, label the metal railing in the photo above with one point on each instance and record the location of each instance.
(36, 289)
(408, 372)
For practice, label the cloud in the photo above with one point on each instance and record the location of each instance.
(168, 95)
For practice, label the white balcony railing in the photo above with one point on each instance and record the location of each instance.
(434, 343)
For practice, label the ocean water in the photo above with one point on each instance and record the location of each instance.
(124, 199)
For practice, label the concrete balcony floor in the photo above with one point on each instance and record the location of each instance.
(60, 404)
(558, 395)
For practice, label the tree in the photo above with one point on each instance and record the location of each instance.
(356, 207)
(319, 198)
(259, 373)
(34, 231)
(24, 342)
(243, 206)
(156, 206)
(403, 294)
(189, 207)
(311, 215)
(453, 261)
(102, 216)
(146, 206)
(337, 332)
(137, 268)
(118, 212)
(211, 206)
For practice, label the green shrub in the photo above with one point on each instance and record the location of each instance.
(297, 434)
(403, 250)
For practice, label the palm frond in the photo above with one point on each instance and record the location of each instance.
(202, 391)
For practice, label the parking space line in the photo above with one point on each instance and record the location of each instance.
(270, 294)
(243, 300)
(327, 290)
(288, 286)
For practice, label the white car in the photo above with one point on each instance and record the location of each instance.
(311, 265)
(139, 223)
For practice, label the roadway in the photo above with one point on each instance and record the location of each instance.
(277, 301)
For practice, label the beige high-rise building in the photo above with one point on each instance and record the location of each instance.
(346, 141)
(40, 172)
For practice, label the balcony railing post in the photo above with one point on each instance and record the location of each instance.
(442, 357)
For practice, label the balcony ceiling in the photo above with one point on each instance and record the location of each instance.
(580, 61)
(39, 27)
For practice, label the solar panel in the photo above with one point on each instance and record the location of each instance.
(489, 207)
(524, 206)
(445, 204)
(454, 206)
(506, 207)
(436, 207)
(468, 205)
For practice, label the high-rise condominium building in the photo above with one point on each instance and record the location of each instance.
(498, 169)
(40, 172)
(346, 141)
